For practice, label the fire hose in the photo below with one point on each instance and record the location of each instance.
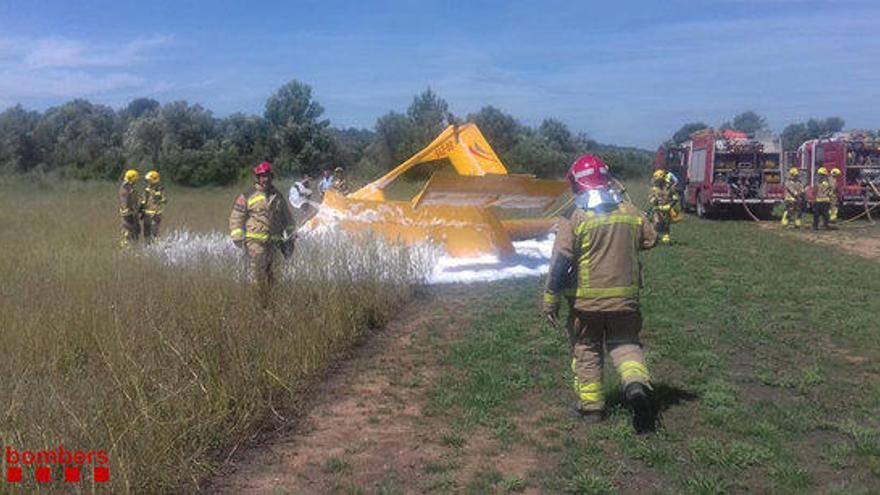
(867, 210)
(742, 196)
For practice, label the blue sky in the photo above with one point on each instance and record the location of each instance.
(624, 72)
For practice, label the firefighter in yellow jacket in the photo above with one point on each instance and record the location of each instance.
(834, 181)
(129, 208)
(154, 204)
(595, 263)
(262, 224)
(795, 199)
(822, 201)
(662, 200)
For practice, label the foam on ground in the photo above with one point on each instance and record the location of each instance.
(184, 248)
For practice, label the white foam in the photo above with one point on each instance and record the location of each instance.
(184, 248)
(532, 259)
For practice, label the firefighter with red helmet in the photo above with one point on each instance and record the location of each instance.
(262, 223)
(662, 200)
(595, 264)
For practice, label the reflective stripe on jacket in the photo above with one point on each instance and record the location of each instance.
(824, 191)
(597, 253)
(794, 190)
(154, 199)
(261, 216)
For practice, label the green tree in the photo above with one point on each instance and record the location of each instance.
(795, 135)
(684, 132)
(140, 107)
(748, 122)
(502, 131)
(142, 140)
(557, 135)
(18, 148)
(81, 136)
(185, 126)
(298, 136)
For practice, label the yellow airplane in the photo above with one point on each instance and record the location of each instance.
(457, 211)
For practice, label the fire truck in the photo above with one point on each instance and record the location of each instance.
(856, 154)
(720, 171)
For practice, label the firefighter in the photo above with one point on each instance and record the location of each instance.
(262, 224)
(822, 202)
(662, 200)
(835, 196)
(339, 183)
(794, 199)
(153, 205)
(595, 262)
(129, 208)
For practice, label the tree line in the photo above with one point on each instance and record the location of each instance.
(192, 147)
(751, 123)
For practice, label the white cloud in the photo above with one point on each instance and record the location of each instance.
(57, 68)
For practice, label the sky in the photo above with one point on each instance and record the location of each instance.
(623, 72)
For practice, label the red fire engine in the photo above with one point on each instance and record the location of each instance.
(856, 154)
(720, 170)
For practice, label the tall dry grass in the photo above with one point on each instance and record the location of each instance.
(168, 363)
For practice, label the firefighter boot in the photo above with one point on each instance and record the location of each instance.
(587, 416)
(644, 414)
(665, 239)
(784, 220)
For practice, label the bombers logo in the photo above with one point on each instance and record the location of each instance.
(475, 149)
(69, 462)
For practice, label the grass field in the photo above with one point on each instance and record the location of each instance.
(167, 368)
(763, 347)
(766, 359)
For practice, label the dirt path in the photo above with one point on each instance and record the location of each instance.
(368, 428)
(859, 238)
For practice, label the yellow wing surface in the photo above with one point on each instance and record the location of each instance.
(453, 210)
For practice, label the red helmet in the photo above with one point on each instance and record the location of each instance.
(263, 168)
(588, 172)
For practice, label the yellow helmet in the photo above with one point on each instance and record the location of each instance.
(835, 171)
(152, 177)
(822, 171)
(793, 171)
(132, 176)
(659, 173)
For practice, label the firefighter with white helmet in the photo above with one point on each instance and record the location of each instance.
(794, 199)
(262, 224)
(822, 201)
(834, 181)
(129, 208)
(154, 204)
(662, 200)
(595, 264)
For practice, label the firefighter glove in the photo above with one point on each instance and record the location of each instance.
(551, 308)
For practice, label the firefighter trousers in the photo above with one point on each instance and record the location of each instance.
(793, 213)
(130, 230)
(151, 226)
(820, 211)
(594, 334)
(262, 263)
